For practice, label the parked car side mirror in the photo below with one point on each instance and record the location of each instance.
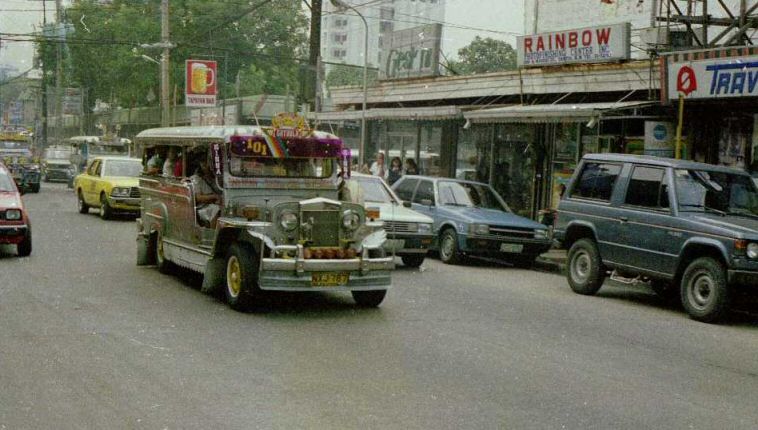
(407, 204)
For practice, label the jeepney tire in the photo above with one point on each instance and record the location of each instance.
(369, 299)
(448, 249)
(241, 279)
(24, 248)
(35, 188)
(705, 291)
(164, 265)
(413, 260)
(105, 209)
(83, 207)
(585, 270)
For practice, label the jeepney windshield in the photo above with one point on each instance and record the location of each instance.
(281, 167)
(57, 154)
(127, 168)
(715, 192)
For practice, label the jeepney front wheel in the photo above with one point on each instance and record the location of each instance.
(164, 265)
(242, 289)
(369, 299)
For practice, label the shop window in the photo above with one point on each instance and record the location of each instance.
(596, 181)
(430, 149)
(474, 154)
(647, 188)
(566, 138)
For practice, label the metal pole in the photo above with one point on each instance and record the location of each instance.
(678, 154)
(58, 73)
(164, 64)
(365, 91)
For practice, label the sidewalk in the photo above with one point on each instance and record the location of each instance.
(553, 261)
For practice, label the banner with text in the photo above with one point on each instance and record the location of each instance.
(605, 43)
(714, 78)
(413, 52)
(200, 84)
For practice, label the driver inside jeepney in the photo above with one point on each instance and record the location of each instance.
(207, 194)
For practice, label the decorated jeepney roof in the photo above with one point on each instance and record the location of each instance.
(209, 133)
(100, 140)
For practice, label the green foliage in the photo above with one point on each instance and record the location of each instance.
(348, 75)
(484, 56)
(259, 39)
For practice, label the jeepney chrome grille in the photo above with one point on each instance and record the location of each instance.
(325, 227)
(134, 192)
(400, 227)
(512, 232)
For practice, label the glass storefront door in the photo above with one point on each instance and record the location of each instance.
(513, 166)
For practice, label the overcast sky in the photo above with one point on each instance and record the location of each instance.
(503, 17)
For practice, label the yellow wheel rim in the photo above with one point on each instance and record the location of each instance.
(233, 276)
(159, 248)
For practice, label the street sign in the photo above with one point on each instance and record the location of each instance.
(200, 86)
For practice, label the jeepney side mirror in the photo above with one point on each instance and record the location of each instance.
(407, 204)
(427, 202)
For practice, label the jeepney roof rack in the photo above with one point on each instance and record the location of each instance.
(183, 135)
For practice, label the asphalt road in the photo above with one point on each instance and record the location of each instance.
(89, 340)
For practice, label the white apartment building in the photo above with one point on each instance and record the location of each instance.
(342, 32)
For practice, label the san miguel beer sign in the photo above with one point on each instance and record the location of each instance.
(607, 43)
(200, 85)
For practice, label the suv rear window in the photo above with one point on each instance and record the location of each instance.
(596, 181)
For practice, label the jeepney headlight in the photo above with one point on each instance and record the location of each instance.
(481, 229)
(288, 220)
(752, 250)
(540, 234)
(13, 214)
(120, 192)
(351, 220)
(424, 228)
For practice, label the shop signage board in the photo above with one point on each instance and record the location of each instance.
(413, 53)
(200, 83)
(606, 43)
(714, 78)
(659, 138)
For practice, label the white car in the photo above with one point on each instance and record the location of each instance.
(409, 233)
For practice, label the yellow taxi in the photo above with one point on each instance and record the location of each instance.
(110, 184)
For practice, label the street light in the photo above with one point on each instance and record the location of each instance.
(341, 6)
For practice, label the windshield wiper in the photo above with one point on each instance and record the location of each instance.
(455, 204)
(705, 208)
(742, 214)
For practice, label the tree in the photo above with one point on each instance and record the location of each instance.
(348, 75)
(484, 56)
(262, 38)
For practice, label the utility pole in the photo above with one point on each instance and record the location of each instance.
(43, 85)
(314, 50)
(164, 64)
(59, 71)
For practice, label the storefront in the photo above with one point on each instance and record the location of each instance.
(720, 92)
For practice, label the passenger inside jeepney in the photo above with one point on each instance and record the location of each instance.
(207, 194)
(155, 161)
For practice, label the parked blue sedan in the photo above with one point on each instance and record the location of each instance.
(470, 218)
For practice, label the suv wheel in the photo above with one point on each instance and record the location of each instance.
(585, 270)
(704, 290)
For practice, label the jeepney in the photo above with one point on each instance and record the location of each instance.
(16, 153)
(280, 223)
(84, 148)
(56, 163)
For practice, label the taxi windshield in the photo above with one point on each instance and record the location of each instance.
(716, 192)
(97, 149)
(281, 167)
(128, 168)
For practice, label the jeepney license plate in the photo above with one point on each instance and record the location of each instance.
(511, 247)
(329, 279)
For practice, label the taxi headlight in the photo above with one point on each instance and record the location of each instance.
(481, 229)
(424, 228)
(120, 192)
(288, 220)
(13, 214)
(752, 250)
(351, 220)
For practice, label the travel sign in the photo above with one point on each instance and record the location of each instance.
(607, 43)
(714, 78)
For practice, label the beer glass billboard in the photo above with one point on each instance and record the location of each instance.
(200, 85)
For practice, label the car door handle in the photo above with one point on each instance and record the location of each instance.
(623, 219)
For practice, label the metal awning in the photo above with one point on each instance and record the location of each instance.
(429, 113)
(571, 112)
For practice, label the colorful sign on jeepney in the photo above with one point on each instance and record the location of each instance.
(200, 83)
(287, 125)
(584, 45)
(268, 145)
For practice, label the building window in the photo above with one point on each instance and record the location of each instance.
(385, 26)
(340, 37)
(339, 53)
(340, 22)
(387, 13)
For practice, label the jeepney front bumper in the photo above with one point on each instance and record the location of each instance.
(300, 274)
